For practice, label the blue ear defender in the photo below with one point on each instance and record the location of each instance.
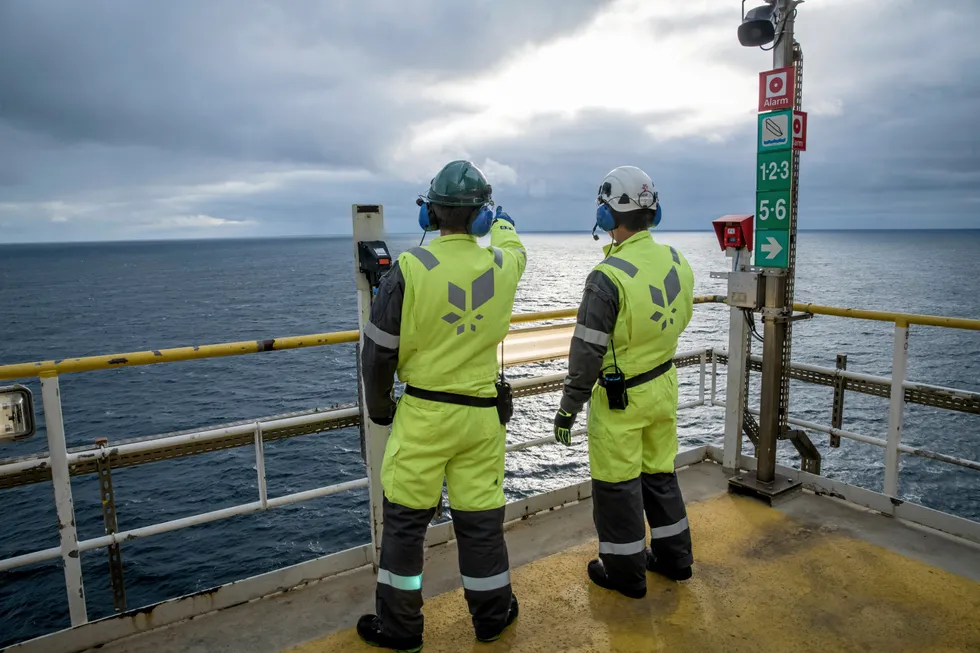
(479, 227)
(425, 217)
(481, 223)
(604, 218)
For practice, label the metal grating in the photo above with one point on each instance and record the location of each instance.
(116, 576)
(539, 388)
(962, 402)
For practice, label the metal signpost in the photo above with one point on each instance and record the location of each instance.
(781, 136)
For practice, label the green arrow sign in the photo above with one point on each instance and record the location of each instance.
(772, 249)
(772, 210)
(774, 171)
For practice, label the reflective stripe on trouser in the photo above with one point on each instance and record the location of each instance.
(399, 593)
(617, 509)
(670, 536)
(484, 566)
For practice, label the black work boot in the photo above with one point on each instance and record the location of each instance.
(597, 574)
(369, 628)
(511, 617)
(671, 573)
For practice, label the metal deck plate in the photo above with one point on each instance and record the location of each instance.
(781, 489)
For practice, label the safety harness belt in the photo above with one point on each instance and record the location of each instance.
(451, 397)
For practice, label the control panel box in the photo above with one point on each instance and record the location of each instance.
(745, 290)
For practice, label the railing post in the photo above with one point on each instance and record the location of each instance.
(260, 465)
(837, 417)
(704, 373)
(61, 482)
(714, 377)
(900, 352)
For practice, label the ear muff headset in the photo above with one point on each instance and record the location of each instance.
(426, 218)
(605, 219)
(479, 224)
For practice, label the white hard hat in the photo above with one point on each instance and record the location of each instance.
(627, 188)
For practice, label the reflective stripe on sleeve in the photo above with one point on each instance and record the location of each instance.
(591, 336)
(381, 338)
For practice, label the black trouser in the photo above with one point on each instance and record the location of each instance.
(483, 564)
(617, 509)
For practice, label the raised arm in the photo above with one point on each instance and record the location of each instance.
(503, 236)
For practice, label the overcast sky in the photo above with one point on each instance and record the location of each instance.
(210, 118)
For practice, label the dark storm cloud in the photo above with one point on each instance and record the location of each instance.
(304, 82)
(164, 119)
(105, 105)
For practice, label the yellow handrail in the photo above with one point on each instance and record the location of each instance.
(522, 318)
(131, 359)
(155, 356)
(900, 319)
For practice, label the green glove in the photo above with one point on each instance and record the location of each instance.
(563, 426)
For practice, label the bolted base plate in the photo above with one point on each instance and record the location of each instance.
(779, 490)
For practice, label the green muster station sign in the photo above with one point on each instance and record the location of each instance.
(772, 249)
(774, 171)
(774, 188)
(772, 210)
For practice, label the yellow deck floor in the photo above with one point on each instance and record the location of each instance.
(763, 582)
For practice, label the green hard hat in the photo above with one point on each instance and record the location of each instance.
(459, 183)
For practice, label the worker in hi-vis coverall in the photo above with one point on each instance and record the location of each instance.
(438, 318)
(636, 303)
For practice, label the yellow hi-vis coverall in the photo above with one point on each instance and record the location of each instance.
(636, 304)
(438, 318)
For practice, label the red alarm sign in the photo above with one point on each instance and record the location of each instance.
(776, 89)
(799, 130)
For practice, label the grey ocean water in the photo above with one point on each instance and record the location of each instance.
(76, 300)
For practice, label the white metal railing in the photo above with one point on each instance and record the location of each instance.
(59, 460)
(160, 443)
(888, 444)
